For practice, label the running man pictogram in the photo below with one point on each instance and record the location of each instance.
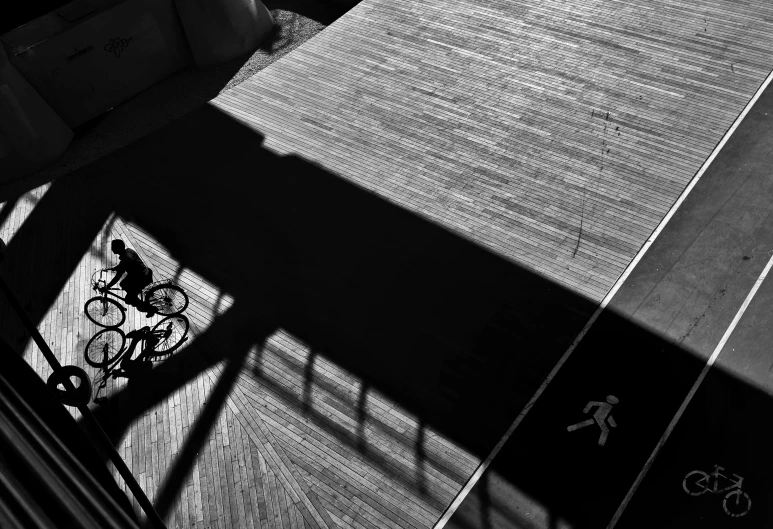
(601, 417)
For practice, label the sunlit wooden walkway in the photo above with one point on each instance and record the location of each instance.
(554, 134)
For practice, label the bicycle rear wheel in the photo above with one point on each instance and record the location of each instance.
(696, 483)
(167, 299)
(104, 347)
(168, 335)
(105, 312)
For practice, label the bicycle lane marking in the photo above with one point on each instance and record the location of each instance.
(725, 426)
(697, 482)
(486, 463)
(720, 346)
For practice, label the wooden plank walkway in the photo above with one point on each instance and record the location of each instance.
(554, 133)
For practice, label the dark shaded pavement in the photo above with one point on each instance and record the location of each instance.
(727, 424)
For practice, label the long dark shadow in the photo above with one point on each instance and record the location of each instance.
(433, 320)
(451, 332)
(456, 335)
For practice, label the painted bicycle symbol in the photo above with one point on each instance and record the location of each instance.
(736, 503)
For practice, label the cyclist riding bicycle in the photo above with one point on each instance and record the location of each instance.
(138, 276)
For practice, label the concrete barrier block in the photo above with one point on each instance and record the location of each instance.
(220, 31)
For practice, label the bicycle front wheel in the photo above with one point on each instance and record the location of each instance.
(104, 347)
(105, 312)
(168, 335)
(737, 503)
(167, 299)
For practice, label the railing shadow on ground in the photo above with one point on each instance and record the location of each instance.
(458, 336)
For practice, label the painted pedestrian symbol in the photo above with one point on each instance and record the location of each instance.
(601, 417)
(736, 503)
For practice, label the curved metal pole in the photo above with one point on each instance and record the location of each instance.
(96, 428)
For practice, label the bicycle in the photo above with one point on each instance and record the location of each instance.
(698, 482)
(106, 348)
(165, 298)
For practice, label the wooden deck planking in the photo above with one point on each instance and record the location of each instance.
(378, 412)
(339, 479)
(400, 455)
(345, 384)
(384, 90)
(330, 447)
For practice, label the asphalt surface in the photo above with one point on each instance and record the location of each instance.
(646, 351)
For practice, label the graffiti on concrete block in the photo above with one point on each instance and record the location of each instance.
(117, 45)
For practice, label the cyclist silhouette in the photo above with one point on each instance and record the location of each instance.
(138, 275)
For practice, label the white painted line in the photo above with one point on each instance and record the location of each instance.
(690, 395)
(451, 509)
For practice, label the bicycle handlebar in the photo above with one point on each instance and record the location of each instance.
(96, 279)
